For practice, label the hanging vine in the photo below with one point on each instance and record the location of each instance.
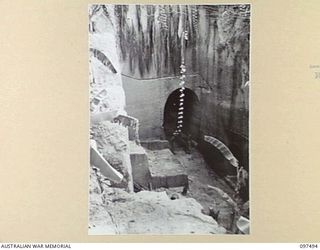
(183, 36)
(195, 16)
(163, 19)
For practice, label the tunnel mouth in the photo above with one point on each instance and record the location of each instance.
(191, 114)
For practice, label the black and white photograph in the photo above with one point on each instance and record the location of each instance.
(169, 89)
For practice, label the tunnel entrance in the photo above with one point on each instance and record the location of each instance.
(191, 115)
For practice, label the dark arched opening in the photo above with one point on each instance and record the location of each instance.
(191, 114)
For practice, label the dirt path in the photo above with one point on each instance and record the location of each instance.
(200, 176)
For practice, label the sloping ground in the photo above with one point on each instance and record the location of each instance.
(208, 188)
(100, 221)
(118, 212)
